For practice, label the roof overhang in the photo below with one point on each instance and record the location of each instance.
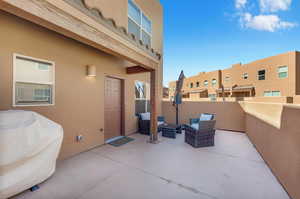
(70, 19)
(199, 91)
(220, 90)
(245, 88)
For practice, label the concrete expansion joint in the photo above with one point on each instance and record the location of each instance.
(168, 181)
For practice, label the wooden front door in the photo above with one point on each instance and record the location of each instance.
(113, 108)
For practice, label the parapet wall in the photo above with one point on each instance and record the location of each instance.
(274, 129)
(229, 115)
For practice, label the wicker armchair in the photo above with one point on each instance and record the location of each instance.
(144, 125)
(201, 131)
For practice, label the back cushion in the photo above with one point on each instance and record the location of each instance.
(145, 116)
(206, 117)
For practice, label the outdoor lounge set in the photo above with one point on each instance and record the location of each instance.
(199, 133)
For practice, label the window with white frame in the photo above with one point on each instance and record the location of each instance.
(282, 72)
(272, 94)
(213, 82)
(245, 76)
(227, 78)
(212, 97)
(139, 24)
(142, 97)
(205, 83)
(33, 81)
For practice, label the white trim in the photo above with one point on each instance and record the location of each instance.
(15, 56)
(287, 72)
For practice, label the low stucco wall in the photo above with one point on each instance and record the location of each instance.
(279, 147)
(229, 115)
(297, 99)
(272, 127)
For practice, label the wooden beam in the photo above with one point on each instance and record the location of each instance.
(136, 69)
(153, 130)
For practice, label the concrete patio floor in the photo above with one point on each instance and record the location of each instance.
(172, 169)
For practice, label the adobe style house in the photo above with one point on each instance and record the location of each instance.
(273, 76)
(89, 65)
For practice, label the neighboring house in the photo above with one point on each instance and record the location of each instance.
(165, 92)
(273, 76)
(89, 65)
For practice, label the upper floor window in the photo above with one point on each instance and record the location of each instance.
(283, 72)
(227, 78)
(205, 83)
(139, 24)
(272, 94)
(245, 76)
(261, 74)
(197, 84)
(213, 82)
(33, 81)
(191, 85)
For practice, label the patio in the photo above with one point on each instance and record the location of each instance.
(232, 169)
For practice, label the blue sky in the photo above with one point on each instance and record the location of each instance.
(205, 35)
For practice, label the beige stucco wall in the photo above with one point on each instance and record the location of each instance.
(229, 115)
(297, 74)
(279, 147)
(289, 86)
(79, 100)
(272, 83)
(117, 10)
(272, 127)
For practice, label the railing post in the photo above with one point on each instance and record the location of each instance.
(153, 129)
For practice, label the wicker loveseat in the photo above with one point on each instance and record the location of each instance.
(201, 131)
(144, 123)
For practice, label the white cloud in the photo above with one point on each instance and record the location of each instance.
(274, 5)
(269, 23)
(240, 3)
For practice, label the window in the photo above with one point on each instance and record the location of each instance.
(245, 76)
(213, 82)
(282, 72)
(261, 74)
(191, 85)
(272, 94)
(139, 24)
(142, 97)
(197, 84)
(205, 83)
(276, 93)
(33, 81)
(212, 97)
(227, 78)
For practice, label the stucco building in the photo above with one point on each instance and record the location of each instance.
(269, 77)
(89, 65)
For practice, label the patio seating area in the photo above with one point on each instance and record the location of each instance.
(232, 169)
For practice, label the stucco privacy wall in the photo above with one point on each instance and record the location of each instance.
(229, 115)
(79, 100)
(279, 147)
(272, 127)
